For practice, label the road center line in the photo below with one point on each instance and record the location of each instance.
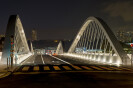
(42, 59)
(60, 59)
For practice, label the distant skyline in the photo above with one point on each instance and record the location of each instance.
(61, 19)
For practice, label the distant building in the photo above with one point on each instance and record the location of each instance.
(125, 36)
(34, 35)
(49, 46)
(45, 46)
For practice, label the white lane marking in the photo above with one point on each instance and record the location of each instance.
(60, 59)
(42, 59)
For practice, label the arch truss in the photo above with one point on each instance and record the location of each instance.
(20, 46)
(95, 41)
(59, 49)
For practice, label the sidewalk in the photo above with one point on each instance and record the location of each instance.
(3, 71)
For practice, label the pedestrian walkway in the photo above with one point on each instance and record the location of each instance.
(3, 71)
(54, 68)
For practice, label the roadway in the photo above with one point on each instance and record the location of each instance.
(54, 60)
(35, 76)
(43, 60)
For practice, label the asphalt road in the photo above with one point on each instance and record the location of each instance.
(65, 79)
(69, 80)
(44, 60)
(52, 60)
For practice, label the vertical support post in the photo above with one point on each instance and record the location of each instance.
(98, 37)
(132, 61)
(92, 34)
(94, 40)
(85, 41)
(7, 64)
(82, 43)
(88, 41)
(110, 59)
(15, 60)
(12, 50)
(11, 62)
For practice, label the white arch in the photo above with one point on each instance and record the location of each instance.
(109, 36)
(14, 28)
(59, 49)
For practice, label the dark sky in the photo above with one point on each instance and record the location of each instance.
(61, 19)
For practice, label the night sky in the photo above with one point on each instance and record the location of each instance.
(61, 19)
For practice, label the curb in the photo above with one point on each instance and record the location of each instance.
(5, 74)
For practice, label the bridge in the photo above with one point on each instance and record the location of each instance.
(15, 44)
(94, 42)
(95, 57)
